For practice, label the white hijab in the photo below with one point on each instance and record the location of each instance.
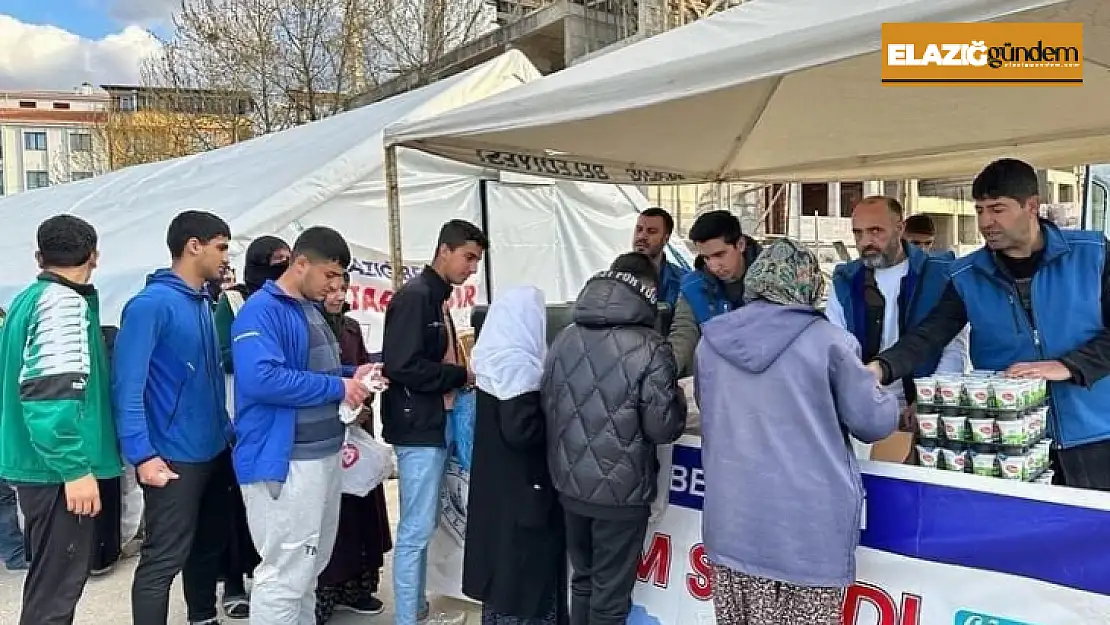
(508, 358)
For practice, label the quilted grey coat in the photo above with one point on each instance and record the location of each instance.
(610, 396)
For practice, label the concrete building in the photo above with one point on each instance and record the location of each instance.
(50, 137)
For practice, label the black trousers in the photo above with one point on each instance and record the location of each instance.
(604, 554)
(107, 543)
(186, 532)
(1086, 466)
(240, 557)
(62, 544)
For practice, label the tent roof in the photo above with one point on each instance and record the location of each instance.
(782, 90)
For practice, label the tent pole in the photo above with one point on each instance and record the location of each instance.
(487, 263)
(393, 197)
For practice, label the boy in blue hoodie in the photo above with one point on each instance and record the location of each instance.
(168, 393)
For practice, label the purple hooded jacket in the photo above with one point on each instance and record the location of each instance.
(780, 388)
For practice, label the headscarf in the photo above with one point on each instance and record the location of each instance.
(508, 358)
(257, 268)
(786, 273)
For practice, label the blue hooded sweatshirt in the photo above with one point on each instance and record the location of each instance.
(167, 385)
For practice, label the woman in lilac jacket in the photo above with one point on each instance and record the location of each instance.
(780, 389)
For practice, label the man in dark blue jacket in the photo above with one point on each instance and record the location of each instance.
(1038, 301)
(716, 289)
(654, 227)
(289, 384)
(168, 395)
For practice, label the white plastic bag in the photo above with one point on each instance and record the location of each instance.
(366, 461)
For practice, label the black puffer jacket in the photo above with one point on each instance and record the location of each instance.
(609, 396)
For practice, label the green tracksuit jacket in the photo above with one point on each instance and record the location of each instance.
(55, 404)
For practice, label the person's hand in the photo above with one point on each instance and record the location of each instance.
(354, 393)
(908, 421)
(155, 472)
(83, 496)
(364, 416)
(876, 370)
(1052, 370)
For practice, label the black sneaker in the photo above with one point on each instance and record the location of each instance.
(238, 608)
(367, 605)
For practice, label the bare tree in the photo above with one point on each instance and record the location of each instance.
(301, 60)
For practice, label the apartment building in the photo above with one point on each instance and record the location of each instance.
(50, 137)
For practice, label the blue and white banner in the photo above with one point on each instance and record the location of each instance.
(938, 549)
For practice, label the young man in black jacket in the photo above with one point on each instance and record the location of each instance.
(421, 359)
(610, 396)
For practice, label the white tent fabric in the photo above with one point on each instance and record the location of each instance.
(331, 173)
(782, 90)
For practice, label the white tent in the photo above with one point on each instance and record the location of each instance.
(776, 90)
(552, 235)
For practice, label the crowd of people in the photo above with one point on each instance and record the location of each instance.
(231, 418)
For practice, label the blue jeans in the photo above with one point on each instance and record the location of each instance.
(11, 538)
(420, 472)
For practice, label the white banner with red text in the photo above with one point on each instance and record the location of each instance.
(938, 548)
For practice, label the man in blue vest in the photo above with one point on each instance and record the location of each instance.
(715, 289)
(653, 232)
(890, 288)
(1038, 301)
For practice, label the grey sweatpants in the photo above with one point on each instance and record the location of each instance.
(294, 533)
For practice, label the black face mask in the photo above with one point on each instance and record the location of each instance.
(254, 276)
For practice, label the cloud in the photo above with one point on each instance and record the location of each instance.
(147, 12)
(34, 56)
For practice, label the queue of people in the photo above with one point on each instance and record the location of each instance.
(566, 436)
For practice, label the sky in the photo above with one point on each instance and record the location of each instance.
(59, 44)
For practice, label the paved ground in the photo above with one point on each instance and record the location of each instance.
(107, 599)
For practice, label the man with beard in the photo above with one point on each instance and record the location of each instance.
(168, 394)
(1038, 301)
(716, 288)
(890, 288)
(653, 232)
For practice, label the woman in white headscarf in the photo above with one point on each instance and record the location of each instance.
(515, 560)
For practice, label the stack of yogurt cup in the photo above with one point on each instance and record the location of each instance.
(984, 423)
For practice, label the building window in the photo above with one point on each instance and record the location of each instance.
(80, 175)
(850, 195)
(1067, 194)
(37, 180)
(35, 141)
(80, 142)
(1099, 206)
(61, 106)
(27, 104)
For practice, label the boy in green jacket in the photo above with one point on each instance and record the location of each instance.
(57, 435)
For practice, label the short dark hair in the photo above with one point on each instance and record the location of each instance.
(718, 224)
(920, 224)
(637, 264)
(197, 225)
(655, 211)
(699, 262)
(892, 205)
(320, 244)
(458, 232)
(65, 241)
(1006, 177)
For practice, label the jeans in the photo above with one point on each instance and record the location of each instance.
(11, 538)
(420, 473)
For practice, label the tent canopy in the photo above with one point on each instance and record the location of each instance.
(330, 173)
(782, 90)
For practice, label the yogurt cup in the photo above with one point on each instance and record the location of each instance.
(928, 456)
(982, 430)
(955, 427)
(978, 393)
(926, 390)
(984, 464)
(1046, 477)
(949, 391)
(1007, 394)
(1012, 432)
(928, 424)
(954, 460)
(1014, 467)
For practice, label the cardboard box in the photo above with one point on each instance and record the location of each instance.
(897, 448)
